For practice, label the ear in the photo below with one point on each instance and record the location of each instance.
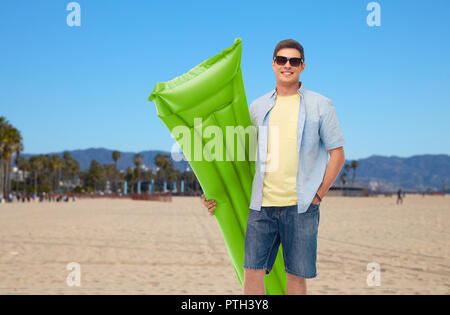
(302, 68)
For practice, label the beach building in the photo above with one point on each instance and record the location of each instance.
(340, 190)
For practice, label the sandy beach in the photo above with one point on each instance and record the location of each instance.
(147, 247)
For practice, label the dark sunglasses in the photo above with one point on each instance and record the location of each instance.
(294, 61)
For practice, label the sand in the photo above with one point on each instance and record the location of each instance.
(147, 247)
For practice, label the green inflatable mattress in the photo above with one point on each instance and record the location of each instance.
(200, 108)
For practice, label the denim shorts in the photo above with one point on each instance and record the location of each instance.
(297, 233)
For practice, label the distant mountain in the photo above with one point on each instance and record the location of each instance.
(415, 173)
(388, 173)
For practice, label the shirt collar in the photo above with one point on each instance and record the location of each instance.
(300, 90)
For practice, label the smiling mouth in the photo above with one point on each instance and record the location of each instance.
(287, 73)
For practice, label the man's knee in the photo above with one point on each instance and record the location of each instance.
(293, 278)
(254, 274)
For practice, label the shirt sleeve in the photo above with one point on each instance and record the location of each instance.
(329, 130)
(253, 151)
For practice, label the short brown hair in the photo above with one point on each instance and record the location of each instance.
(289, 43)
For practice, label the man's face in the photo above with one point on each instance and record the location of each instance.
(287, 73)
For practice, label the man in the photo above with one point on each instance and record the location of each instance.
(399, 196)
(291, 181)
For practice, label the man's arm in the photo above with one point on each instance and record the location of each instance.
(333, 140)
(334, 166)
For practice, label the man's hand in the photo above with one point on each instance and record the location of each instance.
(210, 205)
(315, 200)
(334, 166)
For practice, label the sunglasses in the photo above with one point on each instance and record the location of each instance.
(294, 61)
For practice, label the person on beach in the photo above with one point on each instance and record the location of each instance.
(399, 196)
(288, 188)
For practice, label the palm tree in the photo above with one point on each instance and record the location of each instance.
(110, 172)
(138, 163)
(162, 162)
(347, 167)
(130, 177)
(166, 168)
(24, 166)
(116, 158)
(71, 168)
(67, 157)
(343, 179)
(344, 175)
(11, 141)
(45, 176)
(16, 161)
(3, 125)
(354, 167)
(95, 174)
(36, 166)
(56, 165)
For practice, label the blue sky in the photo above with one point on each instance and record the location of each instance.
(80, 87)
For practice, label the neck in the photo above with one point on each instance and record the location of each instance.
(287, 89)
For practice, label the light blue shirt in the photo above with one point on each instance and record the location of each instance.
(317, 132)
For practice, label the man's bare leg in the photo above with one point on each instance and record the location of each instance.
(295, 285)
(254, 282)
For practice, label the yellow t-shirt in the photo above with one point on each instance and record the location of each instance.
(279, 188)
